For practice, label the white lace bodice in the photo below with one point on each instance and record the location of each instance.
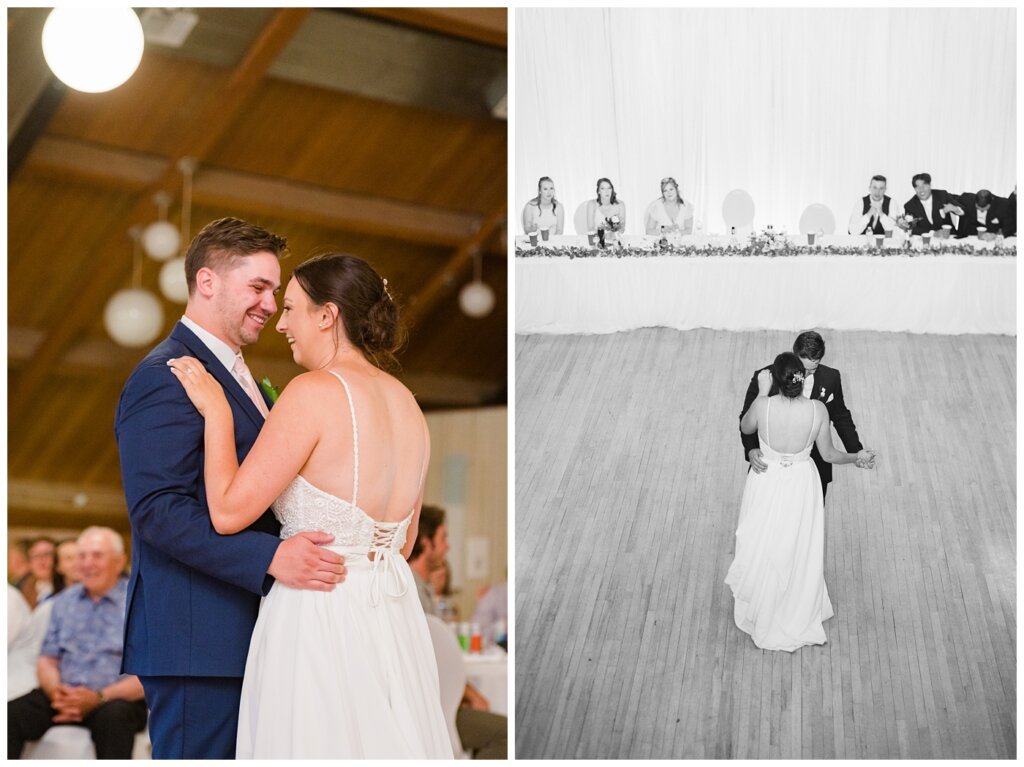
(303, 507)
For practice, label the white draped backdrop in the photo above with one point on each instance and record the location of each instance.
(797, 106)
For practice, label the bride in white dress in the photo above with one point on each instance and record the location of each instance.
(777, 577)
(348, 673)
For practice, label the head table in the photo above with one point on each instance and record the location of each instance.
(564, 286)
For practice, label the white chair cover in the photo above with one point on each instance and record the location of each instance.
(451, 673)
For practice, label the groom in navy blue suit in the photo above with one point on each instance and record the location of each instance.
(194, 594)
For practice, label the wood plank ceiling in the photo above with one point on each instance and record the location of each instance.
(369, 131)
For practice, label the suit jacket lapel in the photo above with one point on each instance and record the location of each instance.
(232, 388)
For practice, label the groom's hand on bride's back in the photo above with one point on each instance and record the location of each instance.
(302, 563)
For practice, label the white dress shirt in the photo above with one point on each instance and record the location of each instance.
(225, 354)
(808, 385)
(859, 221)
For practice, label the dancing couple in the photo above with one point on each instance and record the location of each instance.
(294, 632)
(777, 576)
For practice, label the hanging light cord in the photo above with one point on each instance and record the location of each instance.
(187, 167)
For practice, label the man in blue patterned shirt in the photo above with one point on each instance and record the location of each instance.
(80, 661)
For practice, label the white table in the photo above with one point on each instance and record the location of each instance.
(950, 294)
(488, 673)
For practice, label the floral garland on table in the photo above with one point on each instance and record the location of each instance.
(759, 249)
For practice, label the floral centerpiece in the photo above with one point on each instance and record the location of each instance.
(782, 251)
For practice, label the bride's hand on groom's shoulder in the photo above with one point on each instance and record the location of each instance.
(202, 388)
(764, 382)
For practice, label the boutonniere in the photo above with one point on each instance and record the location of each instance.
(269, 389)
(822, 392)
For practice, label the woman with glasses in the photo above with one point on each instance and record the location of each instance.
(669, 212)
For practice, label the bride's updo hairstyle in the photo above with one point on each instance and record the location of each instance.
(788, 372)
(365, 304)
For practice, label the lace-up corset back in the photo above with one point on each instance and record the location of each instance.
(772, 455)
(303, 507)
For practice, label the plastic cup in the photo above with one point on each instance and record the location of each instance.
(533, 238)
(544, 233)
(926, 238)
(982, 230)
(879, 240)
(464, 637)
(888, 233)
(592, 237)
(476, 639)
(811, 237)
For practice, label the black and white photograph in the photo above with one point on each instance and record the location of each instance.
(765, 383)
(257, 343)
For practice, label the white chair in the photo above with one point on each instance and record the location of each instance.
(579, 218)
(71, 741)
(62, 741)
(451, 673)
(738, 209)
(817, 218)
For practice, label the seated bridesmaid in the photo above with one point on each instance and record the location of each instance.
(669, 211)
(606, 208)
(543, 210)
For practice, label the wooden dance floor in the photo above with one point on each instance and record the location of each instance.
(629, 472)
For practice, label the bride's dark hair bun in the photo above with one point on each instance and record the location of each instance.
(788, 372)
(364, 300)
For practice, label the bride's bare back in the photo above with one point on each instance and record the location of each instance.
(393, 442)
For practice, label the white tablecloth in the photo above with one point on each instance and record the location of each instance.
(924, 294)
(489, 674)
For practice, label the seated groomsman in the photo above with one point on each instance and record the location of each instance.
(1010, 215)
(80, 679)
(931, 208)
(874, 213)
(981, 209)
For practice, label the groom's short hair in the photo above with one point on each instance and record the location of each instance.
(226, 240)
(431, 518)
(809, 345)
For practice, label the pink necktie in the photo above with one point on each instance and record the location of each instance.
(246, 380)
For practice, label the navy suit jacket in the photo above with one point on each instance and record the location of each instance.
(193, 594)
(827, 383)
(938, 200)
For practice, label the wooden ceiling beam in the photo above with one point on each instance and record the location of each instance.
(424, 301)
(254, 194)
(89, 296)
(480, 25)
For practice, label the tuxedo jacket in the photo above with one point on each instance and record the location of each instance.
(969, 220)
(938, 200)
(1010, 215)
(193, 594)
(828, 387)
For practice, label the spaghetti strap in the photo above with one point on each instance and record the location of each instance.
(355, 440)
(767, 433)
(810, 437)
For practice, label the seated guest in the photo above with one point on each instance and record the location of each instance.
(482, 733)
(492, 610)
(603, 211)
(1010, 215)
(17, 562)
(80, 680)
(931, 208)
(18, 614)
(981, 209)
(41, 581)
(67, 562)
(875, 213)
(669, 212)
(543, 211)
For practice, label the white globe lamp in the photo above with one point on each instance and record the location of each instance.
(133, 317)
(93, 49)
(172, 280)
(160, 240)
(476, 299)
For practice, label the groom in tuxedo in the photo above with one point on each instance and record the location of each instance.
(194, 595)
(822, 383)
